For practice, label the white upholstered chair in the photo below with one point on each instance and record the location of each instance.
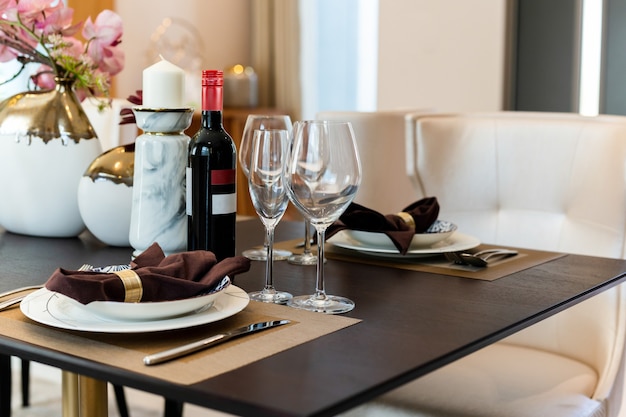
(385, 187)
(538, 180)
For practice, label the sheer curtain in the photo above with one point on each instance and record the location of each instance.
(276, 54)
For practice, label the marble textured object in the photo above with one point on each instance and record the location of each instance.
(158, 205)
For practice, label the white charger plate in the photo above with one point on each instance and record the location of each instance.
(439, 231)
(155, 310)
(456, 242)
(57, 310)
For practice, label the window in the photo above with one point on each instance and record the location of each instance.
(339, 55)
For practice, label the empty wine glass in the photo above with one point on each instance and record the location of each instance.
(322, 176)
(260, 122)
(269, 197)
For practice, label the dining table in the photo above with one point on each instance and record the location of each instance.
(411, 317)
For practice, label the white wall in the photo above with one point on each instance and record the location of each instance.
(223, 27)
(447, 55)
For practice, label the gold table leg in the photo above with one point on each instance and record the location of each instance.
(70, 394)
(84, 396)
(93, 397)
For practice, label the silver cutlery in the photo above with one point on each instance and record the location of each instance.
(16, 300)
(461, 258)
(186, 349)
(490, 253)
(18, 290)
(478, 259)
(11, 302)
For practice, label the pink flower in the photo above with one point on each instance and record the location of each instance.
(32, 12)
(110, 60)
(103, 36)
(7, 54)
(107, 29)
(74, 47)
(60, 21)
(41, 32)
(44, 78)
(6, 4)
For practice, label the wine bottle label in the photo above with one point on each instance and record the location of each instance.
(223, 176)
(224, 203)
(188, 190)
(223, 194)
(224, 198)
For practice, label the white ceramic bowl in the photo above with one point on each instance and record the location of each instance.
(437, 232)
(157, 310)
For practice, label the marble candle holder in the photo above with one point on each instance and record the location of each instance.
(158, 207)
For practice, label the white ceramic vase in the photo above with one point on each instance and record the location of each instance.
(105, 195)
(46, 144)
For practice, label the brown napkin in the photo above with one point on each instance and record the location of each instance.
(175, 277)
(423, 212)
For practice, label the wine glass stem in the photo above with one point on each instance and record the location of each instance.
(320, 292)
(307, 238)
(269, 263)
(266, 241)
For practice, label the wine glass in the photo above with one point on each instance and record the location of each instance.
(306, 257)
(260, 122)
(322, 176)
(269, 197)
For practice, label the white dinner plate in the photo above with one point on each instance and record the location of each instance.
(57, 310)
(456, 242)
(157, 310)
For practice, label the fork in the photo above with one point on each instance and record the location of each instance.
(489, 253)
(479, 258)
(461, 258)
(15, 300)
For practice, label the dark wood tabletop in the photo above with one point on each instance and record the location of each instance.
(412, 323)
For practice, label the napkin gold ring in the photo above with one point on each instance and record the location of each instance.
(132, 285)
(407, 218)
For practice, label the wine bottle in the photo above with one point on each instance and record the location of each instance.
(211, 176)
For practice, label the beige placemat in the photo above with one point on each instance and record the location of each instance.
(526, 258)
(127, 350)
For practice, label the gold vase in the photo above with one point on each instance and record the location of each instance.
(46, 143)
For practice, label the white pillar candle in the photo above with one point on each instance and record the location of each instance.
(163, 86)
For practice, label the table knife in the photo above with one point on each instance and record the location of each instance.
(186, 349)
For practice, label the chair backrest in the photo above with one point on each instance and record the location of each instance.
(385, 187)
(549, 181)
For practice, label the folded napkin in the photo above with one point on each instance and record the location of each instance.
(400, 227)
(152, 277)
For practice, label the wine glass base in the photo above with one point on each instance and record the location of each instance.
(276, 297)
(303, 259)
(261, 254)
(331, 304)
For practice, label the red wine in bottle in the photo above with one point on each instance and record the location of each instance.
(211, 177)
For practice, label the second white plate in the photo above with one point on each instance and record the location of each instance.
(456, 242)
